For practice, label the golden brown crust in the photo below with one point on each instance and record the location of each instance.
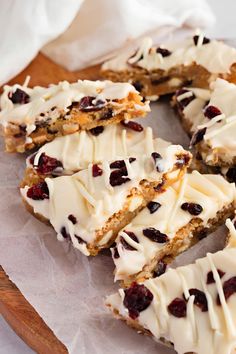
(70, 122)
(158, 82)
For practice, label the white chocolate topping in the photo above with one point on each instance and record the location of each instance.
(221, 130)
(76, 151)
(93, 200)
(212, 331)
(215, 56)
(211, 192)
(44, 99)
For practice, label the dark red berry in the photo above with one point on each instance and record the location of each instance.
(178, 307)
(19, 96)
(160, 269)
(80, 240)
(137, 299)
(210, 277)
(138, 85)
(97, 130)
(32, 157)
(132, 125)
(155, 235)
(205, 40)
(192, 208)
(87, 104)
(198, 136)
(96, 170)
(153, 206)
(38, 191)
(200, 299)
(211, 112)
(157, 160)
(231, 174)
(117, 177)
(164, 52)
(64, 233)
(229, 288)
(125, 244)
(121, 163)
(47, 164)
(72, 218)
(115, 253)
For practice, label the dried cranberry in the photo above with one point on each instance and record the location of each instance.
(47, 164)
(80, 240)
(132, 125)
(210, 277)
(19, 96)
(153, 206)
(229, 288)
(198, 136)
(87, 104)
(157, 158)
(138, 85)
(160, 269)
(164, 52)
(72, 218)
(31, 158)
(211, 112)
(117, 177)
(204, 41)
(155, 235)
(107, 114)
(137, 299)
(178, 307)
(200, 299)
(121, 163)
(64, 233)
(231, 174)
(125, 244)
(38, 191)
(97, 130)
(115, 253)
(192, 208)
(185, 101)
(96, 170)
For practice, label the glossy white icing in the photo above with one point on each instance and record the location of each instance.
(76, 151)
(215, 56)
(211, 192)
(212, 331)
(92, 200)
(220, 135)
(61, 96)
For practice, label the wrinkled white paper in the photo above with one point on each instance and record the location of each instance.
(66, 288)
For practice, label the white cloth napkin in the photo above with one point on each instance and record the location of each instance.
(99, 28)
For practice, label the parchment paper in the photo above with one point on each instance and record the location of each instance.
(66, 288)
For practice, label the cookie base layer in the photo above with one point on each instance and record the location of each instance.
(153, 84)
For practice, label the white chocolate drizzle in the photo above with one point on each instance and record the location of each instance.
(93, 200)
(211, 192)
(212, 331)
(215, 56)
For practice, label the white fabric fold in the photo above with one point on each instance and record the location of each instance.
(86, 31)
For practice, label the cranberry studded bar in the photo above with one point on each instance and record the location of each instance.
(32, 116)
(209, 116)
(172, 222)
(191, 308)
(160, 70)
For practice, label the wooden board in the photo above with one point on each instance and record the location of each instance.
(20, 315)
